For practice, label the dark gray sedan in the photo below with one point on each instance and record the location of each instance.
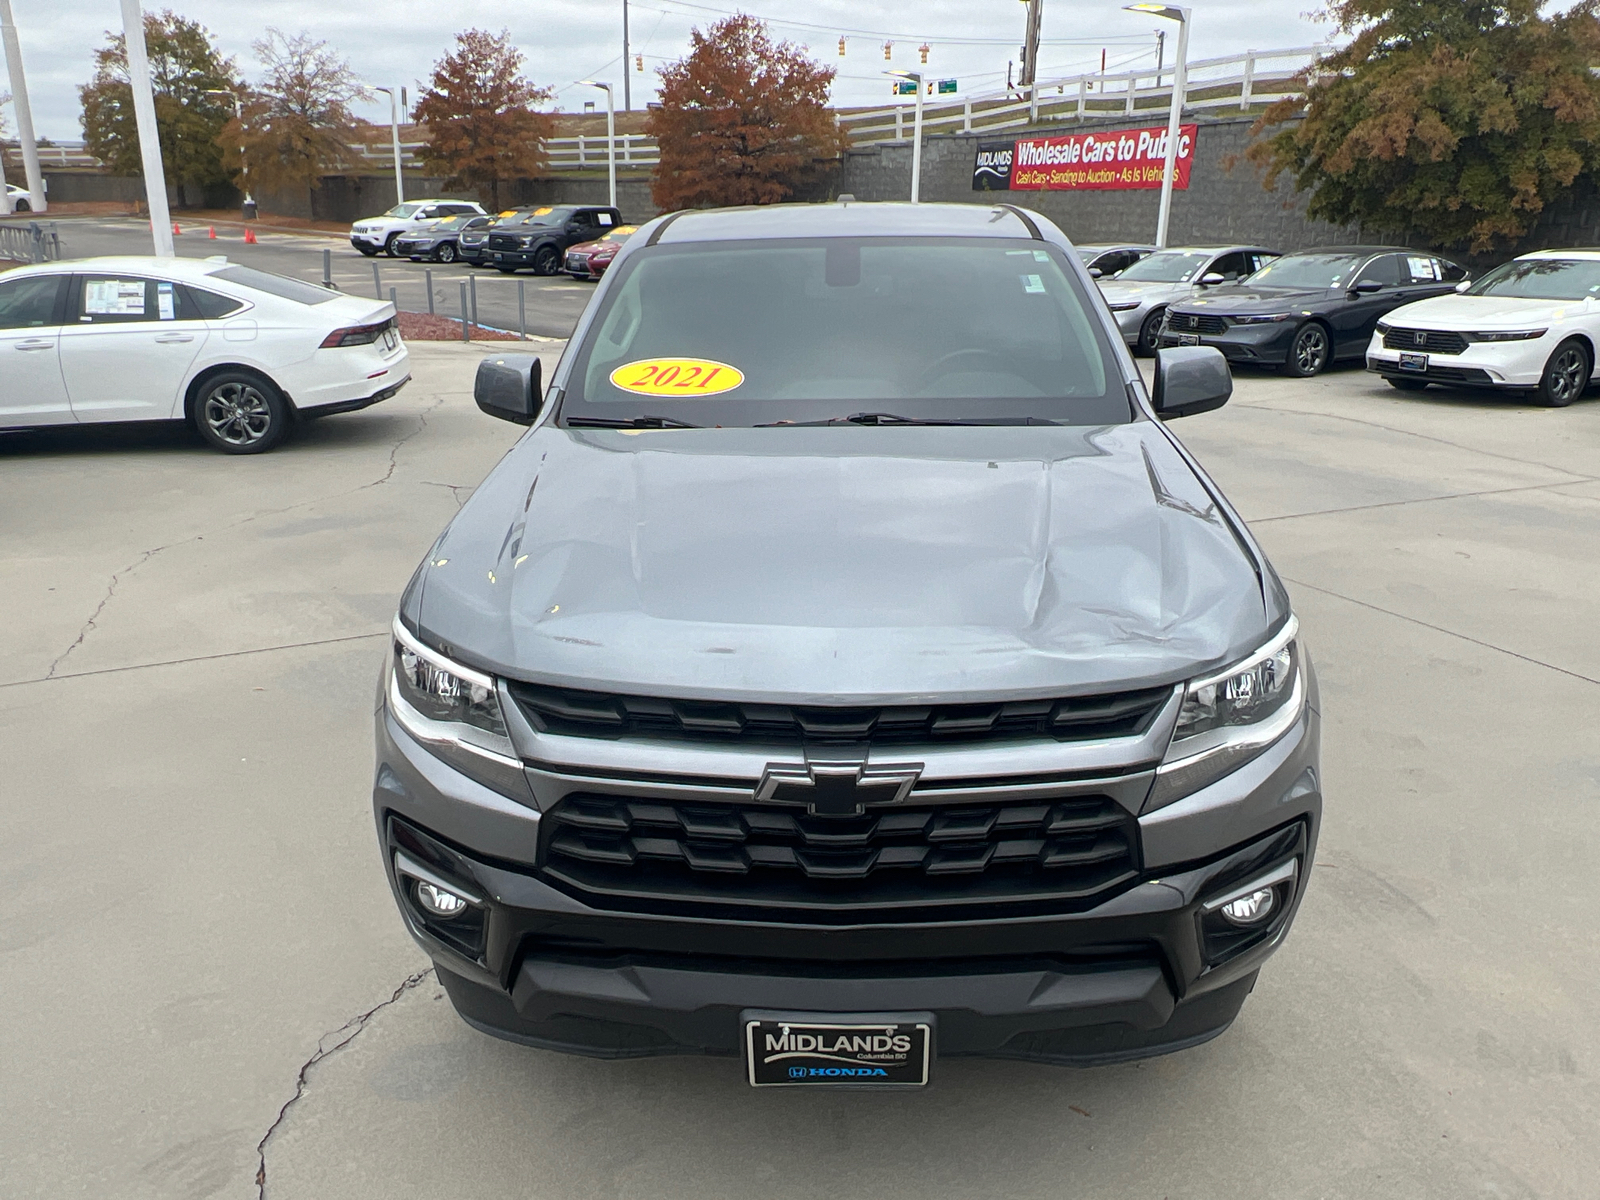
(848, 668)
(438, 241)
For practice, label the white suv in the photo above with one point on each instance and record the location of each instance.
(372, 235)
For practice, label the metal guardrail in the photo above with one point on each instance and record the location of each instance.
(30, 243)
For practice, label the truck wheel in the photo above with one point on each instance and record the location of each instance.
(240, 412)
(388, 244)
(546, 261)
(1566, 375)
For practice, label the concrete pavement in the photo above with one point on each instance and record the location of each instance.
(199, 946)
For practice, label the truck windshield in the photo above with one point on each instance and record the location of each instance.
(875, 331)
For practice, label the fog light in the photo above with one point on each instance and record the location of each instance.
(438, 902)
(1251, 909)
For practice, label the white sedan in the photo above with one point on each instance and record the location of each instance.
(240, 354)
(1532, 324)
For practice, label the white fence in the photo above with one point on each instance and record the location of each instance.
(1238, 83)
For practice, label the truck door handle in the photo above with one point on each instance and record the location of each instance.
(167, 339)
(35, 344)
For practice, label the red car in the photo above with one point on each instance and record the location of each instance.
(590, 259)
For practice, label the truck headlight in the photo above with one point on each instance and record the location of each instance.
(1229, 718)
(454, 713)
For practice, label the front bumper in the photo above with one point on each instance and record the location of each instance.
(1143, 972)
(1267, 344)
(366, 239)
(1482, 364)
(1130, 321)
(509, 258)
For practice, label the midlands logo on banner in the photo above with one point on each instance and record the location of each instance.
(1117, 159)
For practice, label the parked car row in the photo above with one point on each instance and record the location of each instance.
(579, 240)
(1414, 317)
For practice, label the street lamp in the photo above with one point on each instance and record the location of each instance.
(916, 135)
(611, 131)
(249, 211)
(394, 134)
(1180, 79)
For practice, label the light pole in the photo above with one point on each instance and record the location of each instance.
(19, 100)
(1180, 80)
(144, 114)
(394, 137)
(611, 130)
(916, 134)
(627, 89)
(249, 211)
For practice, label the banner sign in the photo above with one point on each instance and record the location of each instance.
(991, 171)
(1117, 159)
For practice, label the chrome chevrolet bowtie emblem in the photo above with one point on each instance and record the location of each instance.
(840, 787)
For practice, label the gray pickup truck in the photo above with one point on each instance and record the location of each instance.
(848, 668)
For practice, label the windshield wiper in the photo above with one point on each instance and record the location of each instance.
(646, 422)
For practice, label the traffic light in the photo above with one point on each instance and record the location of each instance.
(888, 51)
(841, 45)
(638, 62)
(923, 50)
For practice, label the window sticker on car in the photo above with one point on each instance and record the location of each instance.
(164, 302)
(603, 218)
(1423, 268)
(113, 298)
(1032, 284)
(686, 378)
(1040, 256)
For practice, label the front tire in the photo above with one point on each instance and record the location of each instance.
(546, 261)
(1566, 375)
(240, 412)
(388, 244)
(1310, 352)
(446, 253)
(1150, 333)
(1407, 385)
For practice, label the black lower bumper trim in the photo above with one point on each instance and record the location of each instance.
(1464, 376)
(344, 406)
(1084, 1015)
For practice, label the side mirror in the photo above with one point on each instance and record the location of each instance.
(1095, 272)
(1463, 285)
(1212, 278)
(508, 387)
(1189, 380)
(1367, 286)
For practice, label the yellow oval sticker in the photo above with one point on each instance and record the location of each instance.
(684, 378)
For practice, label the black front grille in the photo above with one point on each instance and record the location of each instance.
(776, 858)
(1433, 341)
(597, 714)
(1207, 323)
(504, 241)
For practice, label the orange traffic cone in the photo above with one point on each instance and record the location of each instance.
(211, 232)
(175, 230)
(249, 237)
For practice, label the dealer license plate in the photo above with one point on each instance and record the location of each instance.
(1188, 339)
(1413, 362)
(852, 1050)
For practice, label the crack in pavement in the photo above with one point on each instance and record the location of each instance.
(178, 662)
(455, 489)
(147, 555)
(1330, 512)
(346, 1034)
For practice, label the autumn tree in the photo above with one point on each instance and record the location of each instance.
(297, 124)
(1453, 120)
(184, 65)
(483, 128)
(743, 120)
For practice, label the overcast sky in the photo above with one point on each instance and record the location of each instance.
(397, 41)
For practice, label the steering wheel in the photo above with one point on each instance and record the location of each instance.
(937, 367)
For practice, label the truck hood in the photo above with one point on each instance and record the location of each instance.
(844, 564)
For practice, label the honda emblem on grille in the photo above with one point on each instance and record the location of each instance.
(840, 787)
(1194, 322)
(1421, 338)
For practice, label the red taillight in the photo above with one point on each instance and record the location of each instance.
(356, 335)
